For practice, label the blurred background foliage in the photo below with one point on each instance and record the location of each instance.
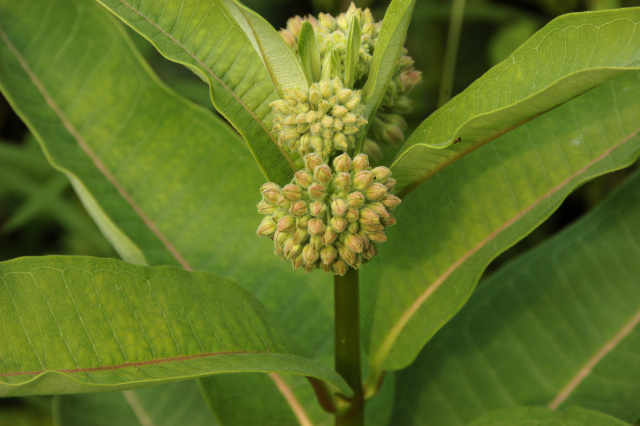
(40, 214)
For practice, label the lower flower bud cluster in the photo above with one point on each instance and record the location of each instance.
(329, 217)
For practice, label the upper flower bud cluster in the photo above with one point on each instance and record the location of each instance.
(329, 217)
(323, 119)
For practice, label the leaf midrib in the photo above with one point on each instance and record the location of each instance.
(387, 343)
(92, 155)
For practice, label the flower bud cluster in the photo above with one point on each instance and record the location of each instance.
(323, 119)
(329, 218)
(332, 34)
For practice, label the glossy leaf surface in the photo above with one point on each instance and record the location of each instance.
(560, 326)
(78, 324)
(569, 56)
(454, 224)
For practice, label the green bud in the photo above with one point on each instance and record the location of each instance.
(297, 262)
(314, 95)
(317, 208)
(352, 103)
(327, 21)
(330, 236)
(309, 255)
(298, 208)
(353, 227)
(390, 184)
(280, 238)
(316, 227)
(380, 174)
(350, 129)
(355, 200)
(340, 141)
(302, 145)
(391, 201)
(312, 161)
(341, 182)
(369, 216)
(316, 242)
(299, 236)
(325, 89)
(322, 174)
(372, 149)
(317, 191)
(303, 221)
(270, 192)
(342, 163)
(375, 192)
(378, 237)
(347, 255)
(303, 178)
(352, 214)
(360, 163)
(339, 224)
(362, 179)
(317, 143)
(339, 207)
(340, 267)
(291, 250)
(371, 227)
(286, 224)
(283, 203)
(292, 192)
(339, 110)
(267, 227)
(349, 118)
(328, 254)
(354, 243)
(369, 252)
(388, 221)
(380, 209)
(266, 208)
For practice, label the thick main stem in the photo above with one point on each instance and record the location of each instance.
(347, 352)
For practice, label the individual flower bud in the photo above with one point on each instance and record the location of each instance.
(267, 227)
(380, 174)
(309, 255)
(270, 192)
(314, 97)
(341, 182)
(355, 200)
(343, 95)
(325, 89)
(347, 255)
(372, 149)
(375, 191)
(349, 118)
(299, 236)
(352, 103)
(291, 250)
(317, 208)
(312, 161)
(330, 236)
(266, 208)
(283, 203)
(339, 207)
(352, 214)
(391, 201)
(340, 267)
(322, 174)
(317, 143)
(317, 191)
(365, 240)
(380, 209)
(297, 262)
(303, 221)
(339, 110)
(340, 141)
(292, 192)
(316, 242)
(362, 179)
(369, 251)
(315, 227)
(279, 238)
(353, 227)
(342, 163)
(303, 178)
(327, 121)
(339, 224)
(390, 184)
(369, 216)
(378, 237)
(328, 254)
(360, 163)
(298, 208)
(388, 221)
(286, 224)
(371, 227)
(354, 243)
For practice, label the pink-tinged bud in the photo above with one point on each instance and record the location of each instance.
(340, 267)
(380, 209)
(309, 255)
(299, 236)
(339, 207)
(317, 208)
(378, 237)
(288, 37)
(312, 161)
(339, 224)
(391, 201)
(355, 200)
(270, 192)
(340, 141)
(279, 238)
(388, 221)
(372, 227)
(328, 254)
(365, 240)
(292, 192)
(375, 192)
(303, 178)
(303, 222)
(380, 174)
(315, 227)
(291, 250)
(354, 243)
(347, 255)
(267, 227)
(326, 268)
(322, 174)
(342, 182)
(283, 203)
(390, 184)
(297, 262)
(352, 214)
(370, 251)
(369, 216)
(266, 208)
(286, 224)
(317, 191)
(360, 162)
(362, 179)
(299, 208)
(342, 163)
(329, 236)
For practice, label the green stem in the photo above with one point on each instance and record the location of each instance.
(453, 39)
(347, 352)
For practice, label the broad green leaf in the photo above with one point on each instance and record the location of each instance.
(538, 416)
(454, 224)
(569, 56)
(80, 324)
(173, 404)
(282, 63)
(388, 49)
(559, 326)
(211, 38)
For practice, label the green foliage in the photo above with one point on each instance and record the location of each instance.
(549, 339)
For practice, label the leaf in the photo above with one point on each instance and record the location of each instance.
(74, 324)
(559, 326)
(309, 52)
(210, 38)
(529, 416)
(154, 405)
(454, 224)
(282, 64)
(569, 56)
(353, 51)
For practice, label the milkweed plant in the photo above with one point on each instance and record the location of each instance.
(205, 322)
